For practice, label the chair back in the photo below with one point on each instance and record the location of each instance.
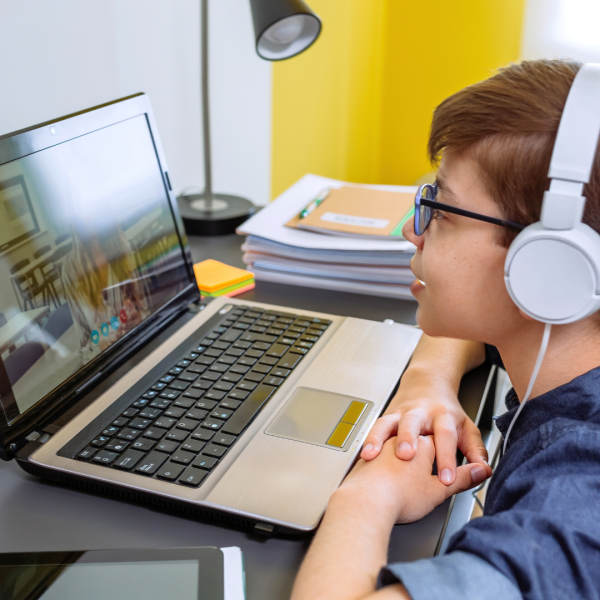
(41, 251)
(58, 322)
(17, 363)
(18, 266)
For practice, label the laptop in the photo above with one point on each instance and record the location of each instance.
(116, 379)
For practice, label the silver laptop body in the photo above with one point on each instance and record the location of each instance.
(283, 466)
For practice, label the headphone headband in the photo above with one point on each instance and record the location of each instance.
(577, 138)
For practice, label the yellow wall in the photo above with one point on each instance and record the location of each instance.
(357, 105)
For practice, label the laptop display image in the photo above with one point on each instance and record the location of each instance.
(116, 379)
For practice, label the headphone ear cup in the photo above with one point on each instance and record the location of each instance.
(550, 276)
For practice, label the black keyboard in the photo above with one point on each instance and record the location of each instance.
(181, 427)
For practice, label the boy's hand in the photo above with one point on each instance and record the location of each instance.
(405, 490)
(418, 414)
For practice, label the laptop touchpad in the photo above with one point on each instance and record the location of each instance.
(321, 418)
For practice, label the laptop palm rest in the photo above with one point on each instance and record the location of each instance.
(320, 418)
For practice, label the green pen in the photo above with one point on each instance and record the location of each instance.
(314, 203)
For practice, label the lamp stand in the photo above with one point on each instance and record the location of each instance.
(208, 213)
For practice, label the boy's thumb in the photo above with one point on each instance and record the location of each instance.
(467, 477)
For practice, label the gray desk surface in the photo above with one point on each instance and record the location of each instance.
(38, 516)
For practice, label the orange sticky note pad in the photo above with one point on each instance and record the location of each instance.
(212, 275)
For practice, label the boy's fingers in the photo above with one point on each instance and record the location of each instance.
(411, 425)
(467, 477)
(471, 444)
(383, 429)
(446, 439)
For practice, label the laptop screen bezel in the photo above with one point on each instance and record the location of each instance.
(51, 133)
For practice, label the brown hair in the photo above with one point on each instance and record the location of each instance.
(508, 124)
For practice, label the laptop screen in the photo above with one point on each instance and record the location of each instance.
(88, 250)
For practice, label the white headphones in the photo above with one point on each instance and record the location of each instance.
(552, 269)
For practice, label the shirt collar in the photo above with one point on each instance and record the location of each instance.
(579, 400)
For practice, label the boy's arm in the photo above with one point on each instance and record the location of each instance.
(427, 403)
(350, 547)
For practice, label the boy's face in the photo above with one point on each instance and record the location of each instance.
(461, 262)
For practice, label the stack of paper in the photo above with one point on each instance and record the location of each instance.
(281, 254)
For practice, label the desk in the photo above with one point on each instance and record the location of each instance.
(35, 515)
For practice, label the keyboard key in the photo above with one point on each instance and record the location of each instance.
(192, 477)
(302, 323)
(248, 410)
(195, 369)
(167, 446)
(165, 422)
(296, 329)
(230, 404)
(246, 385)
(297, 350)
(206, 404)
(130, 412)
(196, 413)
(143, 444)
(275, 332)
(258, 337)
(214, 395)
(277, 350)
(184, 363)
(238, 394)
(154, 433)
(151, 463)
(116, 446)
(167, 378)
(150, 413)
(221, 345)
(243, 345)
(205, 361)
(204, 462)
(182, 457)
(139, 423)
(150, 394)
(212, 375)
(160, 403)
(211, 424)
(199, 349)
(178, 435)
(256, 377)
(180, 385)
(310, 338)
(159, 386)
(268, 360)
(242, 326)
(222, 386)
(187, 424)
(170, 471)
(86, 453)
(202, 435)
(185, 402)
(207, 341)
(292, 335)
(221, 413)
(129, 459)
(269, 317)
(231, 377)
(187, 377)
(302, 344)
(258, 329)
(202, 385)
(193, 446)
(314, 332)
(192, 393)
(223, 439)
(273, 381)
(104, 457)
(170, 394)
(110, 431)
(264, 369)
(219, 368)
(227, 360)
(277, 372)
(127, 434)
(141, 403)
(191, 356)
(247, 320)
(175, 371)
(230, 336)
(234, 352)
(240, 370)
(289, 361)
(213, 450)
(175, 412)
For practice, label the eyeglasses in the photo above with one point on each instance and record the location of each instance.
(426, 205)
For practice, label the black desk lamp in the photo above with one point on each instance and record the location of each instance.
(283, 28)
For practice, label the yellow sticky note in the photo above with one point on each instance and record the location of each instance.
(212, 275)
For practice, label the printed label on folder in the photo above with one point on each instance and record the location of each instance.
(355, 221)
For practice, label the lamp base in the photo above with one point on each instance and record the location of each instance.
(220, 217)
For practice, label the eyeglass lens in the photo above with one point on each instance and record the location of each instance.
(424, 213)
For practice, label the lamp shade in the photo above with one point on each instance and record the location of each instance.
(283, 28)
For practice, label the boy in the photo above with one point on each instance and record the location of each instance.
(539, 537)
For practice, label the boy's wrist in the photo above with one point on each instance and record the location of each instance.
(352, 503)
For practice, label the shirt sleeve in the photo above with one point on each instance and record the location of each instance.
(454, 576)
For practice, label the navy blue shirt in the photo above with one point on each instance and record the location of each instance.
(541, 523)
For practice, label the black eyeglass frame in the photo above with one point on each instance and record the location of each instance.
(424, 202)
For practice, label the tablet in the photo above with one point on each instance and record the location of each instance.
(181, 573)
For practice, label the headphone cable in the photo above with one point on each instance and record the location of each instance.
(536, 370)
